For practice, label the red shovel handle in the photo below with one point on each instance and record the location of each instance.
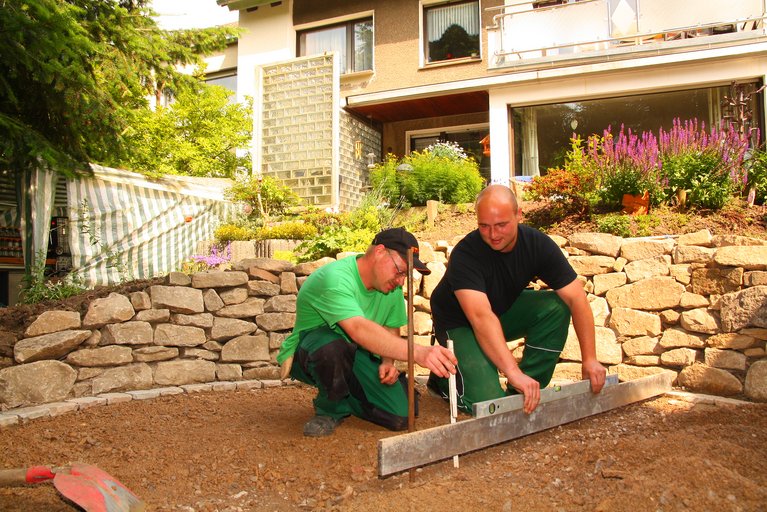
(37, 474)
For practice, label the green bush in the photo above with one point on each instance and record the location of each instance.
(263, 196)
(614, 223)
(39, 288)
(441, 172)
(756, 166)
(572, 188)
(287, 231)
(334, 240)
(231, 233)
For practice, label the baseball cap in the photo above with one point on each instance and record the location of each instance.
(398, 239)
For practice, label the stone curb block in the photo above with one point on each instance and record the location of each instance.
(116, 398)
(88, 401)
(698, 398)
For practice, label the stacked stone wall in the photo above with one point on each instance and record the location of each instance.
(695, 304)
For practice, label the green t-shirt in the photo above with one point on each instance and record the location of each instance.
(335, 292)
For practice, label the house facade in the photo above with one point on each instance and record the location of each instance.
(338, 85)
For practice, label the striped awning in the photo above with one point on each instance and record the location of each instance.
(125, 226)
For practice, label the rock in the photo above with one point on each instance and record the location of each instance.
(151, 354)
(212, 300)
(201, 320)
(263, 289)
(726, 359)
(655, 293)
(178, 299)
(756, 382)
(276, 321)
(128, 333)
(704, 379)
(679, 357)
(675, 338)
(152, 315)
(263, 373)
(748, 257)
(268, 264)
(605, 282)
(7, 342)
(198, 353)
(48, 346)
(170, 335)
(177, 373)
(305, 269)
(681, 272)
(707, 281)
(692, 254)
(629, 322)
(592, 265)
(724, 240)
(245, 349)
(140, 301)
(123, 378)
(700, 320)
(744, 309)
(113, 355)
(276, 339)
(248, 309)
(608, 349)
(288, 283)
(233, 296)
(628, 372)
(219, 279)
(53, 321)
(731, 340)
(35, 383)
(228, 372)
(109, 310)
(432, 280)
(281, 304)
(179, 279)
(755, 278)
(643, 345)
(226, 328)
(644, 249)
(597, 243)
(260, 274)
(693, 300)
(702, 238)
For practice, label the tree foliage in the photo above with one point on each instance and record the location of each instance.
(196, 136)
(73, 73)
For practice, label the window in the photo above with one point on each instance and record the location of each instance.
(542, 133)
(353, 41)
(451, 31)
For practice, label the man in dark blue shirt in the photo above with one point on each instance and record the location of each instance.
(482, 302)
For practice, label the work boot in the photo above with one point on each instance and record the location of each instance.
(321, 426)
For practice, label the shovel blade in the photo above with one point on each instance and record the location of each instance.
(95, 490)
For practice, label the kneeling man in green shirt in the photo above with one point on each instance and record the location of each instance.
(346, 337)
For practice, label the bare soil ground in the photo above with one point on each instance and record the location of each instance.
(244, 450)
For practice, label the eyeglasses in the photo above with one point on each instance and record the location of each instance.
(400, 273)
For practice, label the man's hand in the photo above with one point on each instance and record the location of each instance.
(528, 386)
(594, 372)
(387, 373)
(436, 358)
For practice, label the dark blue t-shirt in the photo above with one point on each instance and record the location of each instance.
(501, 276)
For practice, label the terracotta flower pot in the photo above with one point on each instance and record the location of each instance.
(636, 204)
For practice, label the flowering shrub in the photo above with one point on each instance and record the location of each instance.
(216, 259)
(569, 188)
(708, 165)
(625, 164)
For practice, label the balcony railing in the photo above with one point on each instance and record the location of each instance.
(528, 32)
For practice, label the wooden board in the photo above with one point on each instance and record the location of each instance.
(398, 453)
(550, 394)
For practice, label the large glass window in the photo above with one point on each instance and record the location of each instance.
(352, 40)
(451, 31)
(542, 133)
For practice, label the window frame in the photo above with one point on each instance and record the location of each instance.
(429, 5)
(349, 25)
